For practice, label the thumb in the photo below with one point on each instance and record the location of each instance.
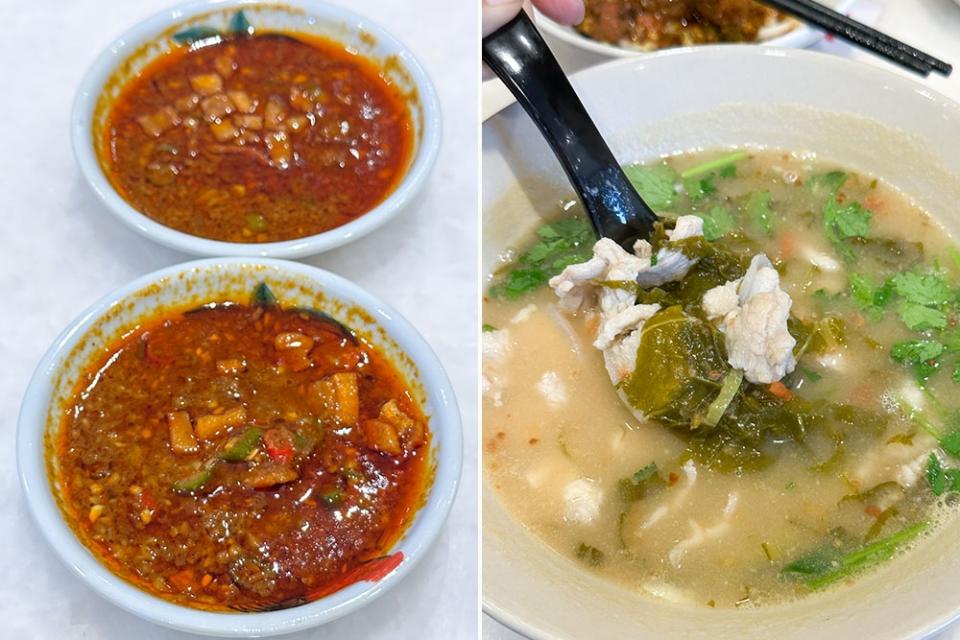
(496, 13)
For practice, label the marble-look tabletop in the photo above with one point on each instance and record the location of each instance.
(60, 251)
(931, 25)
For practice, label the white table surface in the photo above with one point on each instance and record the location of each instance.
(60, 251)
(931, 25)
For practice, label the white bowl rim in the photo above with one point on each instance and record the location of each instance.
(419, 537)
(84, 104)
(799, 37)
(513, 620)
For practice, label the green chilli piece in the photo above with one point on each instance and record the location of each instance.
(263, 296)
(194, 482)
(239, 25)
(241, 446)
(192, 35)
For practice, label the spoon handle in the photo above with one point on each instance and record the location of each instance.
(522, 60)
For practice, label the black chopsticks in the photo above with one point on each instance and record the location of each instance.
(861, 35)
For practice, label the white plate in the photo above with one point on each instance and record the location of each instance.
(800, 37)
(860, 116)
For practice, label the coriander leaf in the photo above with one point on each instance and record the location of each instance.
(850, 221)
(915, 351)
(826, 183)
(519, 282)
(921, 318)
(717, 223)
(657, 185)
(940, 479)
(729, 171)
(759, 211)
(699, 188)
(929, 289)
(867, 296)
(561, 243)
(488, 327)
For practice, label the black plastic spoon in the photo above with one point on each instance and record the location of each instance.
(522, 60)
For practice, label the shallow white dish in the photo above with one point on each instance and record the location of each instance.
(295, 284)
(799, 37)
(857, 115)
(150, 38)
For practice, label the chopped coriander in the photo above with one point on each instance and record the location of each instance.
(929, 289)
(759, 211)
(940, 479)
(811, 375)
(842, 222)
(657, 185)
(914, 351)
(699, 188)
(921, 318)
(869, 297)
(826, 183)
(559, 244)
(717, 223)
(488, 328)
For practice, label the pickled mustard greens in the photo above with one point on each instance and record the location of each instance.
(716, 489)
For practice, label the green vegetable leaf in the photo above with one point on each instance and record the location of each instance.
(717, 223)
(921, 318)
(922, 355)
(192, 35)
(842, 222)
(828, 565)
(929, 289)
(914, 351)
(699, 188)
(826, 183)
(488, 327)
(868, 297)
(940, 479)
(559, 244)
(759, 211)
(728, 391)
(657, 184)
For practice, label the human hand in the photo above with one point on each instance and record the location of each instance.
(496, 13)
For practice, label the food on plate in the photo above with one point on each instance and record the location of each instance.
(756, 403)
(256, 137)
(242, 457)
(658, 24)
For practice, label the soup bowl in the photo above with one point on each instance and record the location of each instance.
(54, 382)
(855, 115)
(130, 53)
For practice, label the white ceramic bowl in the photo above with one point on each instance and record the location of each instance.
(296, 284)
(142, 43)
(799, 37)
(860, 116)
